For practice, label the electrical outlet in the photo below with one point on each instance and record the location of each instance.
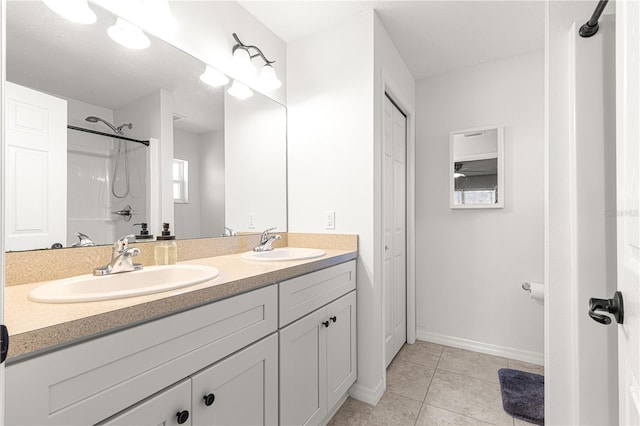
(330, 220)
(252, 217)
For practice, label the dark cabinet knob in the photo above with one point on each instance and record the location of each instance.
(208, 399)
(334, 318)
(183, 416)
(325, 323)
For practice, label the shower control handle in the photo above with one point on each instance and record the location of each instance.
(614, 306)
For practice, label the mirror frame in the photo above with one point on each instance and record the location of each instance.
(500, 154)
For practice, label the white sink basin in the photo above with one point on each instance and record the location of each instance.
(283, 254)
(149, 280)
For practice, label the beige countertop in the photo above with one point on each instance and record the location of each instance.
(36, 328)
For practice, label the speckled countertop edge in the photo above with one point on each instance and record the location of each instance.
(37, 328)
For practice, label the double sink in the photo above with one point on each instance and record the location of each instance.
(149, 280)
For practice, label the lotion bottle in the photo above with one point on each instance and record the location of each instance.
(166, 250)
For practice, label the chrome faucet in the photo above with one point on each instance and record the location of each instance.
(85, 241)
(267, 240)
(121, 258)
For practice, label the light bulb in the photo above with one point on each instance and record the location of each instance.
(242, 59)
(239, 90)
(213, 77)
(268, 79)
(77, 11)
(128, 35)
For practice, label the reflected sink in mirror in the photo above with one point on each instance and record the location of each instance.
(283, 254)
(152, 279)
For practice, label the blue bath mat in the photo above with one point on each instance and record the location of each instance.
(522, 395)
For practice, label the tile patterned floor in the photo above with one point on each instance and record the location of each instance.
(430, 384)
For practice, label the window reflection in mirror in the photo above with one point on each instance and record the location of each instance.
(476, 174)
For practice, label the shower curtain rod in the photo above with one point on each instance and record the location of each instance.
(111, 135)
(591, 26)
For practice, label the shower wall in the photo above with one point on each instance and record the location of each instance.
(89, 161)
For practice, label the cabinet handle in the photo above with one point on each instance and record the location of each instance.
(182, 416)
(208, 399)
(334, 318)
(325, 323)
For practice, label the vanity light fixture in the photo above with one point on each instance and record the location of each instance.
(239, 90)
(242, 56)
(128, 35)
(213, 77)
(77, 11)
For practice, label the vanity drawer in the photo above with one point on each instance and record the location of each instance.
(302, 295)
(90, 381)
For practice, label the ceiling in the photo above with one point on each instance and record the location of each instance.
(432, 36)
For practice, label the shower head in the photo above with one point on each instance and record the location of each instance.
(93, 119)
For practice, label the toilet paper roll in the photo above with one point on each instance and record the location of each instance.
(537, 291)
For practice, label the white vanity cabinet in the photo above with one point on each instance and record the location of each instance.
(239, 390)
(318, 349)
(89, 382)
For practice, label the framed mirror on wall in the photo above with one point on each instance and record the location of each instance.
(476, 168)
(73, 85)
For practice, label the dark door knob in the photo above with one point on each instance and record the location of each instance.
(334, 318)
(614, 306)
(183, 416)
(325, 323)
(208, 399)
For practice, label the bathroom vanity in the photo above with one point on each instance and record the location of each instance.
(269, 351)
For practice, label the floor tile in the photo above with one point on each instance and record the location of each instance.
(409, 379)
(468, 396)
(395, 410)
(525, 366)
(472, 364)
(434, 416)
(352, 413)
(423, 353)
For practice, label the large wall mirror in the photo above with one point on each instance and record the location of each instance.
(476, 172)
(212, 161)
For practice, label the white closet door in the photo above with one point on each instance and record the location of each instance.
(36, 169)
(395, 231)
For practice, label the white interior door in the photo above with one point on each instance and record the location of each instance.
(395, 229)
(628, 192)
(36, 169)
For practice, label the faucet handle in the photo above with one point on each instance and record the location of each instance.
(123, 242)
(265, 235)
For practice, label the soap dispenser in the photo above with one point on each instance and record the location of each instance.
(144, 232)
(166, 249)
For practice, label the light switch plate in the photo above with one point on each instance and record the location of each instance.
(252, 217)
(330, 220)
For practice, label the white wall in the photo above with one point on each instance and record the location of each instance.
(472, 262)
(212, 221)
(255, 152)
(187, 146)
(580, 382)
(331, 158)
(205, 31)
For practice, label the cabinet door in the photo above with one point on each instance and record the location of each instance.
(160, 409)
(303, 396)
(240, 390)
(341, 347)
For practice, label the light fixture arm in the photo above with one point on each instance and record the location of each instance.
(247, 47)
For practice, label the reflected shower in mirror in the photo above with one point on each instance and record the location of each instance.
(476, 168)
(109, 182)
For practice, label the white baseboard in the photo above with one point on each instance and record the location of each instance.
(370, 396)
(485, 348)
